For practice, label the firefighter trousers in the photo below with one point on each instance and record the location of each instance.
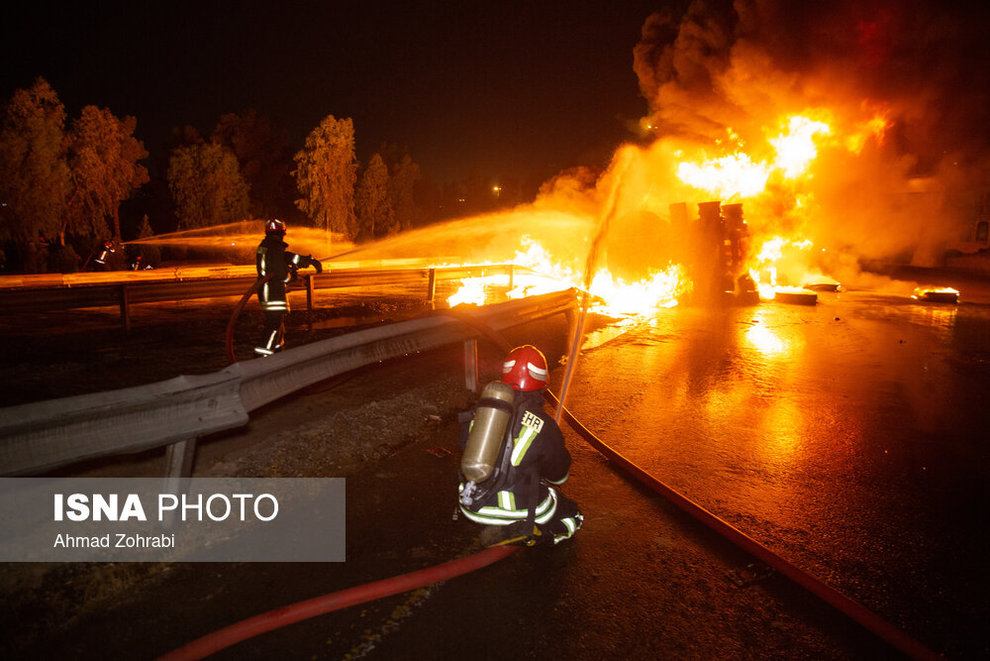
(272, 336)
(566, 520)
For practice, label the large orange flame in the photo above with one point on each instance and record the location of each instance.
(540, 273)
(772, 177)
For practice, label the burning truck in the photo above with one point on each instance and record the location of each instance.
(720, 244)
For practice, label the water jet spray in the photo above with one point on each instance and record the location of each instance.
(243, 237)
(589, 271)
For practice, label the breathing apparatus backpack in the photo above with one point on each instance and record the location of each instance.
(486, 452)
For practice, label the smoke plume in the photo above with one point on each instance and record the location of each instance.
(901, 85)
(733, 68)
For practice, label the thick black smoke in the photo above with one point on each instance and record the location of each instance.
(923, 65)
(928, 62)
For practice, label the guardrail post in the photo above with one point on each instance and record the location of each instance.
(512, 275)
(471, 364)
(431, 287)
(179, 458)
(310, 285)
(125, 312)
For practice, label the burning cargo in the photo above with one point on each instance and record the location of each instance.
(720, 252)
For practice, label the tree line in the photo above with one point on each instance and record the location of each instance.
(69, 185)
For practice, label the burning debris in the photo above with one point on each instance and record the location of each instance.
(796, 296)
(936, 294)
(824, 286)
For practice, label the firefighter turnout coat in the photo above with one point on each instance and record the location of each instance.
(273, 258)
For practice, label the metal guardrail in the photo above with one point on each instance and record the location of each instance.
(65, 295)
(42, 436)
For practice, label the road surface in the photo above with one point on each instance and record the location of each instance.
(847, 436)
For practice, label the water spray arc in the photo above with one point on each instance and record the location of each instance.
(591, 263)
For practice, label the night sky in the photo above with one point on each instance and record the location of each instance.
(470, 88)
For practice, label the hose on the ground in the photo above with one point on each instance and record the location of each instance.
(280, 617)
(286, 615)
(862, 615)
(229, 342)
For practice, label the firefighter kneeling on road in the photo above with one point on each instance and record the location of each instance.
(514, 455)
(273, 259)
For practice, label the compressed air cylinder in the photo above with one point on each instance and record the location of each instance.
(492, 415)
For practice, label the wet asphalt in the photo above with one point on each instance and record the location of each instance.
(847, 436)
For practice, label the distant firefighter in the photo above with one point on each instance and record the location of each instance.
(515, 459)
(273, 259)
(103, 258)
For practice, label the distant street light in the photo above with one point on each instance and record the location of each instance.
(497, 190)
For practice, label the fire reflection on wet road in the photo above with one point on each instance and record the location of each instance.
(849, 437)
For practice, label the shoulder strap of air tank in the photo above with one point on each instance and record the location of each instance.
(508, 442)
(501, 405)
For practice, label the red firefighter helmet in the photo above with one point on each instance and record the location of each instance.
(274, 226)
(525, 368)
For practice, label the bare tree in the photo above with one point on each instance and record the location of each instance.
(206, 186)
(105, 171)
(34, 175)
(326, 171)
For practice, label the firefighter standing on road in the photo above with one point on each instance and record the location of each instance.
(273, 259)
(518, 499)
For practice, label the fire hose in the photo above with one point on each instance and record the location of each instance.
(859, 613)
(327, 603)
(280, 617)
(255, 286)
